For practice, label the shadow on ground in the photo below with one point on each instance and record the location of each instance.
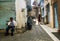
(56, 34)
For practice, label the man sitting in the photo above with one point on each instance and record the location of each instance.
(11, 25)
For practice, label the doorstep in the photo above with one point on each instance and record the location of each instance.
(2, 31)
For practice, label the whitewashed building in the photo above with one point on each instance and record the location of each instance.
(21, 13)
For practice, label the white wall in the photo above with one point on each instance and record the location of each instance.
(21, 16)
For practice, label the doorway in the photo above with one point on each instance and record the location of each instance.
(48, 13)
(55, 15)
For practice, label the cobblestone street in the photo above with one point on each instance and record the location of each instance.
(36, 34)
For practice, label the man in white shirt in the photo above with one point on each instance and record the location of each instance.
(11, 25)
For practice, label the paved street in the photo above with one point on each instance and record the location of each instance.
(36, 34)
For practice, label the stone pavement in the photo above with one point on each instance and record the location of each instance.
(36, 34)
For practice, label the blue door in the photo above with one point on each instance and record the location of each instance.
(56, 16)
(7, 10)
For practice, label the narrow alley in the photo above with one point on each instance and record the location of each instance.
(29, 20)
